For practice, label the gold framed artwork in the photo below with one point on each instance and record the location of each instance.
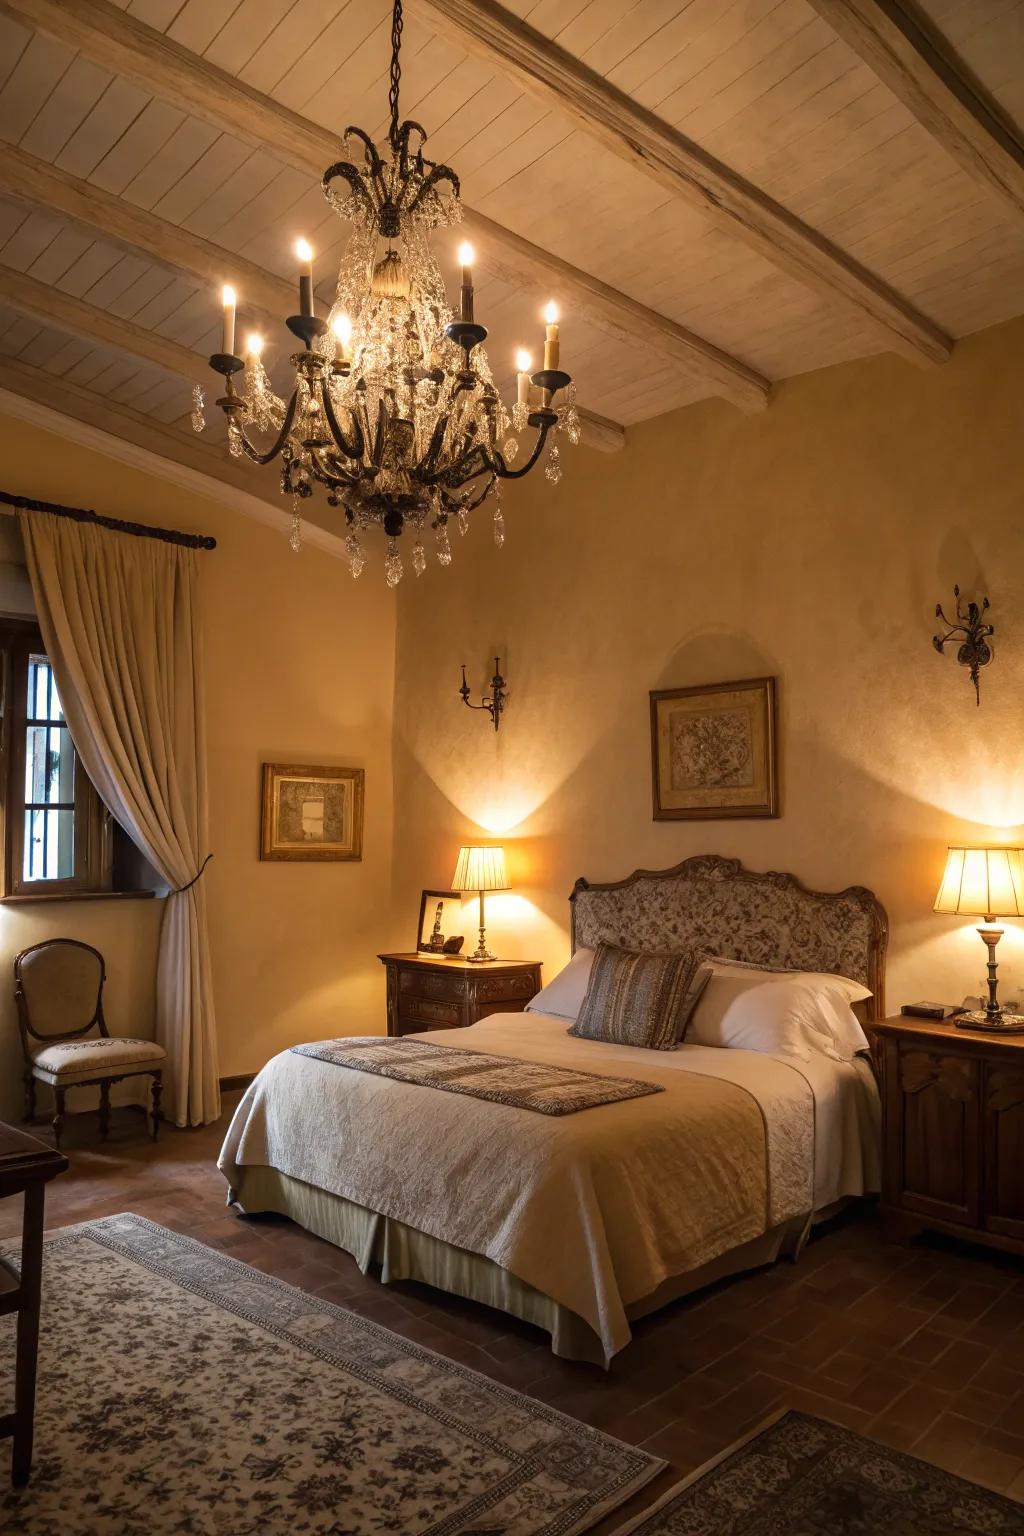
(311, 813)
(714, 751)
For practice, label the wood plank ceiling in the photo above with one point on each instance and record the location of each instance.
(720, 193)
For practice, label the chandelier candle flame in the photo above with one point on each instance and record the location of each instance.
(394, 410)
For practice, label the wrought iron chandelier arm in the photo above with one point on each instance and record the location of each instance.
(452, 503)
(252, 452)
(475, 461)
(499, 465)
(353, 449)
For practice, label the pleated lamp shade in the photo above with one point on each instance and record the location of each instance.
(986, 882)
(480, 869)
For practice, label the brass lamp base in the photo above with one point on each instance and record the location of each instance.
(993, 1023)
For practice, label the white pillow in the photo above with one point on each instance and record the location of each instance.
(563, 996)
(791, 1013)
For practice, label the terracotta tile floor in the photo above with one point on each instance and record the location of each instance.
(922, 1347)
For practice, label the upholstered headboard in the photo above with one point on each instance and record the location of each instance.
(715, 904)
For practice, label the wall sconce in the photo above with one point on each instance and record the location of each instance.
(970, 635)
(495, 701)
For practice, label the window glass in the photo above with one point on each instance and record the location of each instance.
(49, 851)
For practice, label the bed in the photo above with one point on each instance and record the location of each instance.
(583, 1222)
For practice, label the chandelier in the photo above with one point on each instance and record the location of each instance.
(394, 410)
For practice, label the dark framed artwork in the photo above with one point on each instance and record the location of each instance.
(714, 751)
(440, 922)
(311, 813)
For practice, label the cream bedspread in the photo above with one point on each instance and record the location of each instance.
(594, 1209)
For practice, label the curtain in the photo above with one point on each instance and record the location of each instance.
(120, 620)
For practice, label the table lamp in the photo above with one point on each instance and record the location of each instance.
(988, 883)
(480, 870)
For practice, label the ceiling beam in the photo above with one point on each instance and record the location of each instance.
(569, 87)
(920, 68)
(111, 38)
(98, 326)
(98, 213)
(517, 261)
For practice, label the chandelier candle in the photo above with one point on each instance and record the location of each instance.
(466, 259)
(392, 407)
(524, 362)
(551, 338)
(304, 251)
(228, 334)
(254, 345)
(341, 325)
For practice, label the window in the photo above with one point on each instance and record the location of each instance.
(59, 839)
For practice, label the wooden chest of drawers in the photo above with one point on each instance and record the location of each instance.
(953, 1153)
(433, 992)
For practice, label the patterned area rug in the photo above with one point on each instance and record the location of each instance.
(181, 1391)
(508, 1080)
(799, 1476)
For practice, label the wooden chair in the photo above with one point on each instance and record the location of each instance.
(58, 988)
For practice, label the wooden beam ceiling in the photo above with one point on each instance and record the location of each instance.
(569, 87)
(920, 69)
(114, 40)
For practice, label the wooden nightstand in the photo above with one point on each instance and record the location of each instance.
(438, 992)
(953, 1140)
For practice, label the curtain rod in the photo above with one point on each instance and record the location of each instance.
(138, 530)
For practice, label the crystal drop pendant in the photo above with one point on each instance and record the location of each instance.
(393, 564)
(444, 548)
(463, 516)
(234, 438)
(553, 468)
(295, 537)
(356, 557)
(419, 558)
(499, 527)
(509, 450)
(198, 402)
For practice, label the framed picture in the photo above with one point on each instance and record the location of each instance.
(440, 921)
(311, 813)
(713, 751)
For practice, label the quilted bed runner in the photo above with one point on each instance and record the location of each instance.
(507, 1080)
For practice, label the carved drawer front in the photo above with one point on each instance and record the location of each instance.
(498, 989)
(426, 1013)
(936, 1119)
(432, 984)
(1003, 1142)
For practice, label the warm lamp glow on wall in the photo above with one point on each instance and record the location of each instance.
(480, 870)
(988, 883)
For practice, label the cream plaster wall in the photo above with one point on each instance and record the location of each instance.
(811, 542)
(300, 667)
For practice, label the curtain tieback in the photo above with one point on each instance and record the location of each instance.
(181, 889)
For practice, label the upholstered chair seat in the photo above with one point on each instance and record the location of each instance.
(76, 1061)
(58, 987)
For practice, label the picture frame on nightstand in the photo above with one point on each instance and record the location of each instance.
(440, 923)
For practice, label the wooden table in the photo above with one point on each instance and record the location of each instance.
(26, 1167)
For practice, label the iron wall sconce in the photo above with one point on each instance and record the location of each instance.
(969, 634)
(494, 702)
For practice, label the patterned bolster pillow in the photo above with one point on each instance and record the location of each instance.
(641, 1000)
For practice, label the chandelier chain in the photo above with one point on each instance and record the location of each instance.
(396, 70)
